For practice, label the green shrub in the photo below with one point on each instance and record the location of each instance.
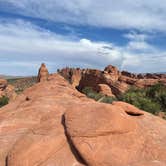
(3, 101)
(89, 92)
(157, 93)
(152, 99)
(108, 99)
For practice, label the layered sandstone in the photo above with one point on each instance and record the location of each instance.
(73, 75)
(119, 82)
(52, 124)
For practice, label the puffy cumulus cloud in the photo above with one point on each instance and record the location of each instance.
(23, 46)
(138, 14)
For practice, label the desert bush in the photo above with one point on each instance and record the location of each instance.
(3, 101)
(89, 92)
(151, 99)
(108, 99)
(157, 93)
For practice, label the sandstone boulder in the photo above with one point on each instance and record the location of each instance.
(105, 90)
(113, 72)
(117, 135)
(9, 91)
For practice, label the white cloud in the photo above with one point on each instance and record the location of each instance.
(136, 36)
(23, 42)
(138, 14)
(23, 46)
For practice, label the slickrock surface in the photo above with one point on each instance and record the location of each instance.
(31, 129)
(52, 124)
(119, 82)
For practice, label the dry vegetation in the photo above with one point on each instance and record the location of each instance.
(21, 84)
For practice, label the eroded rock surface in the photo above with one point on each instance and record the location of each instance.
(7, 90)
(119, 82)
(105, 90)
(52, 124)
(31, 128)
(117, 135)
(73, 75)
(43, 73)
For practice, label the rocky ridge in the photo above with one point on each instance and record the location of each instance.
(52, 123)
(119, 82)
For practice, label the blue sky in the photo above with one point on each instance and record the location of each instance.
(82, 33)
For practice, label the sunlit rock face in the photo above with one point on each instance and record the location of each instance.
(119, 82)
(52, 124)
(43, 73)
(7, 90)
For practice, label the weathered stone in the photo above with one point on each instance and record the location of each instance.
(117, 135)
(119, 82)
(105, 90)
(43, 73)
(7, 90)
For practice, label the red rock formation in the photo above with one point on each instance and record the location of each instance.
(43, 73)
(91, 78)
(3, 84)
(105, 90)
(7, 90)
(113, 72)
(34, 130)
(119, 82)
(72, 75)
